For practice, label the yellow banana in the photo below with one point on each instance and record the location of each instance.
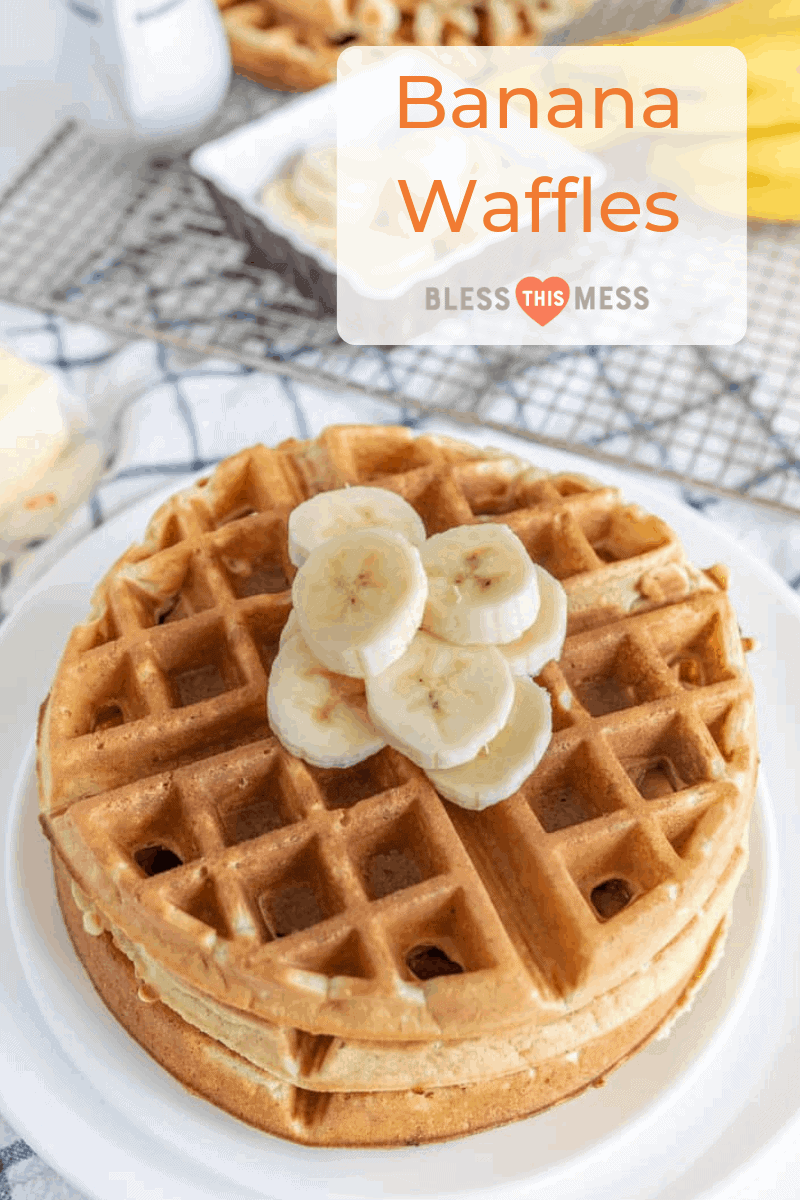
(769, 37)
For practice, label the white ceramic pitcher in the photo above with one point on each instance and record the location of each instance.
(145, 71)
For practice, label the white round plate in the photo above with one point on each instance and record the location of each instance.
(124, 1073)
(629, 1140)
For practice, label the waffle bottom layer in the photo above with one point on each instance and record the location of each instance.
(355, 1119)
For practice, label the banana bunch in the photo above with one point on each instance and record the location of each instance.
(769, 37)
(423, 644)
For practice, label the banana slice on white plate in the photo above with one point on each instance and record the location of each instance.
(332, 513)
(440, 703)
(502, 767)
(317, 715)
(359, 599)
(482, 585)
(545, 638)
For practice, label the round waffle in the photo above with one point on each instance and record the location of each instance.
(248, 876)
(362, 1118)
(294, 45)
(317, 1062)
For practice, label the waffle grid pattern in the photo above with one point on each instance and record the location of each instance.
(337, 880)
(295, 46)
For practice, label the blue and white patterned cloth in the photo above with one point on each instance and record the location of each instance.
(173, 414)
(180, 415)
(23, 1175)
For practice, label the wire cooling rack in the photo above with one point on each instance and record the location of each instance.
(140, 250)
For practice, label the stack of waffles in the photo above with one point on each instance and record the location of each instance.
(340, 956)
(293, 45)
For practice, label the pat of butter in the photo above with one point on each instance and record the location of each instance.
(32, 428)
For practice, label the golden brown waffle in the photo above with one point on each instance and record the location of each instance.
(328, 1064)
(293, 45)
(276, 52)
(155, 735)
(361, 1119)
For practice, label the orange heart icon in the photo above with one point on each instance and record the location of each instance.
(542, 299)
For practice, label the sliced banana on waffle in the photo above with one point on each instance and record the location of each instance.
(482, 585)
(502, 767)
(291, 628)
(317, 715)
(359, 599)
(452, 697)
(439, 704)
(545, 638)
(332, 513)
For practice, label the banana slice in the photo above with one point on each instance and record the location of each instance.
(359, 599)
(503, 766)
(545, 638)
(439, 703)
(332, 513)
(482, 587)
(317, 715)
(290, 629)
